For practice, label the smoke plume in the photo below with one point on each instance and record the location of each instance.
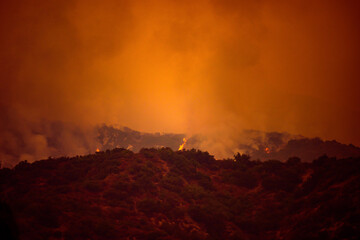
(204, 67)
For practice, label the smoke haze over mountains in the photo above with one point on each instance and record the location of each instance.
(205, 68)
(58, 139)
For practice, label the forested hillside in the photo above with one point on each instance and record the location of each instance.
(162, 194)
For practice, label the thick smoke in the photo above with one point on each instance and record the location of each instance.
(209, 68)
(26, 139)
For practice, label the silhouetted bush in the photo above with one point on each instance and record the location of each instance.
(148, 152)
(5, 175)
(213, 220)
(293, 161)
(183, 166)
(122, 183)
(23, 165)
(203, 158)
(205, 181)
(240, 178)
(245, 179)
(272, 166)
(227, 164)
(193, 192)
(149, 206)
(242, 158)
(8, 226)
(116, 197)
(285, 180)
(172, 182)
(121, 153)
(94, 186)
(170, 207)
(166, 154)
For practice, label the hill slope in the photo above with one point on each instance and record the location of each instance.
(161, 194)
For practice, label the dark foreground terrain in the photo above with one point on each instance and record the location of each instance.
(162, 194)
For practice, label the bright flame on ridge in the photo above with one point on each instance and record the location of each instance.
(181, 147)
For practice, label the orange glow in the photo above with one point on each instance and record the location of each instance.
(181, 147)
(97, 150)
(287, 66)
(267, 150)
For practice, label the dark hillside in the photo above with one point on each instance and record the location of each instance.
(162, 194)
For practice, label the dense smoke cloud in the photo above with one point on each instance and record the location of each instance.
(198, 67)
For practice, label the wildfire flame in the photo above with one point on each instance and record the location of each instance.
(267, 150)
(97, 150)
(181, 147)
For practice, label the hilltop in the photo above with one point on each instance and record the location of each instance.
(58, 139)
(165, 194)
(260, 145)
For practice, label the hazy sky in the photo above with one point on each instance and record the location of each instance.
(209, 66)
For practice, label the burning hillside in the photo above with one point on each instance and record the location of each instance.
(231, 79)
(260, 145)
(60, 139)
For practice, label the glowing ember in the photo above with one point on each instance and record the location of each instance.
(181, 147)
(97, 150)
(267, 150)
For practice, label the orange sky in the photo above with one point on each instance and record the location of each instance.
(209, 66)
